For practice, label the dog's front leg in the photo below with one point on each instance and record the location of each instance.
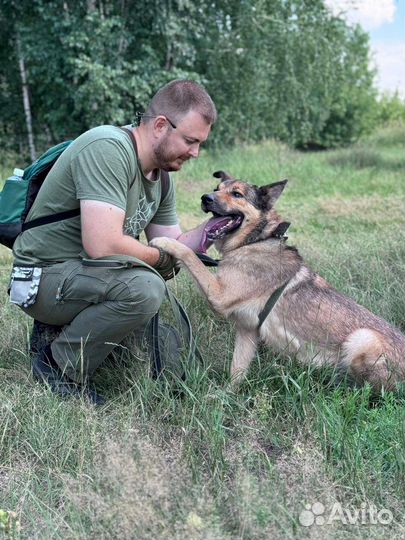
(208, 282)
(245, 348)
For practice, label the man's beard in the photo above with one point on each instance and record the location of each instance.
(166, 159)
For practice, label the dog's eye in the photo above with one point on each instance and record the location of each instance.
(236, 194)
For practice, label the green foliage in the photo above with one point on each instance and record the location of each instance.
(284, 69)
(390, 109)
(351, 111)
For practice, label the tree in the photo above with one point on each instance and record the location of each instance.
(286, 69)
(26, 97)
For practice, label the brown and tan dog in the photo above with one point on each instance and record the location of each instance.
(309, 319)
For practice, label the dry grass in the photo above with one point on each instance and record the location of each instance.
(138, 490)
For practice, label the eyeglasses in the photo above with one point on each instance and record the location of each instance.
(190, 141)
(140, 115)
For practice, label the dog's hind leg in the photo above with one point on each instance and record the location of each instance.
(245, 348)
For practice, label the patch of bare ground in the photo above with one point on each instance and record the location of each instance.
(138, 490)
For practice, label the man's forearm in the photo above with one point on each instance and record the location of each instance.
(126, 245)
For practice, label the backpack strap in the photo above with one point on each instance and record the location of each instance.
(164, 175)
(50, 219)
(165, 181)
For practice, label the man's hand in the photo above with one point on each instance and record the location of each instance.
(166, 265)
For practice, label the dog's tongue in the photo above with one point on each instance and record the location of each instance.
(212, 228)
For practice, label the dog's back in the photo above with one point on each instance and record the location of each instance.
(321, 325)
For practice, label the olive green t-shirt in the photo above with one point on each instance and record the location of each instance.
(100, 165)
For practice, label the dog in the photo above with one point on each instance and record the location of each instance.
(264, 286)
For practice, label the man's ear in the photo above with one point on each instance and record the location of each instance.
(223, 175)
(160, 124)
(272, 192)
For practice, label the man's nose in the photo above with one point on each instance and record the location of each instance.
(194, 150)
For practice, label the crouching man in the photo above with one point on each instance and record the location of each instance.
(89, 268)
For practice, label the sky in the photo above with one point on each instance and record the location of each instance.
(384, 20)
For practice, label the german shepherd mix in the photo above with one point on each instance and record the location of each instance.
(307, 318)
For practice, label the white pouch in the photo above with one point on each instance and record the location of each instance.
(24, 285)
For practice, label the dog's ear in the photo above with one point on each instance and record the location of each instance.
(272, 192)
(223, 175)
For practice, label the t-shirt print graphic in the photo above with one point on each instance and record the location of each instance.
(134, 225)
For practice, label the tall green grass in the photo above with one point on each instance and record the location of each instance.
(197, 459)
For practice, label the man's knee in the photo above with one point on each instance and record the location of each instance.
(153, 291)
(147, 289)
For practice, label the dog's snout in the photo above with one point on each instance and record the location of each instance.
(207, 198)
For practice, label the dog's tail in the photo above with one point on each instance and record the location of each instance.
(369, 358)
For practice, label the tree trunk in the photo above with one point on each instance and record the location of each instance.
(26, 100)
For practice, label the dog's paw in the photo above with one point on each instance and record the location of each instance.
(170, 245)
(160, 241)
(237, 376)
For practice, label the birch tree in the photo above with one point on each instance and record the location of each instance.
(26, 97)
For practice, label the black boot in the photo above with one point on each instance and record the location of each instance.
(46, 370)
(42, 335)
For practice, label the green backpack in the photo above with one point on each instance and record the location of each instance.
(19, 193)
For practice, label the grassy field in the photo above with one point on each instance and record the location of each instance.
(293, 454)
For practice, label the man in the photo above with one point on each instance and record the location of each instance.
(83, 287)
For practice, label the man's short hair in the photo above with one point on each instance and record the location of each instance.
(177, 98)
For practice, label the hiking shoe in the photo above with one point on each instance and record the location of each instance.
(46, 370)
(43, 334)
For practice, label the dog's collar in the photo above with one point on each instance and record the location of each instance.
(278, 233)
(281, 230)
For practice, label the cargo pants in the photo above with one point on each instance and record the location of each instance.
(97, 307)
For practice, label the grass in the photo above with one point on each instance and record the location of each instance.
(212, 463)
